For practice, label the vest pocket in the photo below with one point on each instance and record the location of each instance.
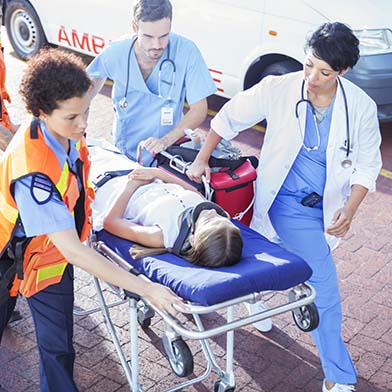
(43, 269)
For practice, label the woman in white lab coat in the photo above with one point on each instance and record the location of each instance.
(319, 159)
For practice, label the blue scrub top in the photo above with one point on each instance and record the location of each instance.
(52, 215)
(309, 170)
(142, 117)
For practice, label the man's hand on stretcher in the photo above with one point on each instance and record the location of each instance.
(149, 174)
(154, 145)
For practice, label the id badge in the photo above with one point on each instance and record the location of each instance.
(167, 115)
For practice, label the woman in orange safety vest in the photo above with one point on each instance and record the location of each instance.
(45, 214)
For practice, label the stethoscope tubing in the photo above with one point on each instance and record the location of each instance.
(307, 101)
(123, 101)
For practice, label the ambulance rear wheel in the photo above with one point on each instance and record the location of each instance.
(182, 363)
(24, 29)
(306, 317)
(281, 68)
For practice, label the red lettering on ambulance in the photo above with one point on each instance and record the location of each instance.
(98, 43)
(81, 44)
(63, 36)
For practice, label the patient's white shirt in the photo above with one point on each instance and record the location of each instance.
(156, 204)
(161, 204)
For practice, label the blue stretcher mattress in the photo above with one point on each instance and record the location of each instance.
(263, 266)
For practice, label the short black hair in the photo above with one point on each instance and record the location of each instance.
(336, 44)
(53, 76)
(152, 10)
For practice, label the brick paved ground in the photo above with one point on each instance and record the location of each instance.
(283, 360)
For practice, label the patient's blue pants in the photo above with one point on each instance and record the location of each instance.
(301, 231)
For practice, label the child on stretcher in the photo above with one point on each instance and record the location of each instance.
(164, 214)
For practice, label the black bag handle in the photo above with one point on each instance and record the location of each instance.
(189, 155)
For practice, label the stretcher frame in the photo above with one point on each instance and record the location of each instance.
(300, 302)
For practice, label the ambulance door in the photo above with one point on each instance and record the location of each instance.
(87, 25)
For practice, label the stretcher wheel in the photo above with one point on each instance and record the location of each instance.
(182, 362)
(306, 317)
(218, 387)
(144, 323)
(144, 316)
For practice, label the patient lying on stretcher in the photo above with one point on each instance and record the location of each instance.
(164, 214)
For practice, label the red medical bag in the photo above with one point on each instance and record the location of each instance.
(232, 180)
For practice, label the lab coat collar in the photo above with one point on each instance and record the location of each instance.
(338, 120)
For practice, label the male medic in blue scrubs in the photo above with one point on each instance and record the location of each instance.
(153, 72)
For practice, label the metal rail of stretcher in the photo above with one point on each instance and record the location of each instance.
(299, 297)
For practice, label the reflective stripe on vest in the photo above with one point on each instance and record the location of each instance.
(47, 273)
(10, 213)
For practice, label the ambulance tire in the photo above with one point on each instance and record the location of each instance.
(281, 68)
(24, 29)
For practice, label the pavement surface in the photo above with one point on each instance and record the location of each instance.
(283, 360)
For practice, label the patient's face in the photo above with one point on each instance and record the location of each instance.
(210, 220)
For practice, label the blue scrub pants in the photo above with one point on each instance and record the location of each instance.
(301, 231)
(52, 310)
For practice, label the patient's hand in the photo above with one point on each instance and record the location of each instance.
(146, 174)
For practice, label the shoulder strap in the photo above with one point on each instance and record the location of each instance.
(34, 128)
(185, 230)
(105, 177)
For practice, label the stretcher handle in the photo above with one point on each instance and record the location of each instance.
(139, 154)
(176, 162)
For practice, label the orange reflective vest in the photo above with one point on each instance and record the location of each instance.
(4, 119)
(43, 264)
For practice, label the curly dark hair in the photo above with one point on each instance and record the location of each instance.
(336, 44)
(53, 76)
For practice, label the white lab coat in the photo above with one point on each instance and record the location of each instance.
(274, 98)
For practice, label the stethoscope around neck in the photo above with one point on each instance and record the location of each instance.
(124, 101)
(346, 162)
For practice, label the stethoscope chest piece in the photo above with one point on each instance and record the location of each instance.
(123, 103)
(346, 163)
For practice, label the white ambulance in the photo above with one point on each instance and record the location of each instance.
(241, 40)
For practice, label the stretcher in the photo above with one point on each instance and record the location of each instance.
(264, 268)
